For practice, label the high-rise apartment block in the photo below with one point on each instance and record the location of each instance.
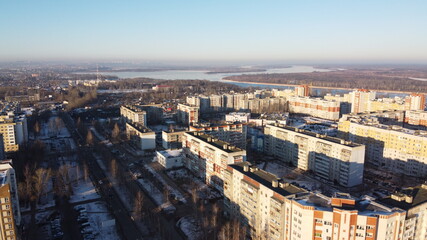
(187, 114)
(207, 157)
(416, 101)
(144, 138)
(10, 215)
(134, 114)
(329, 158)
(302, 90)
(172, 139)
(235, 133)
(14, 130)
(315, 107)
(391, 147)
(359, 100)
(271, 208)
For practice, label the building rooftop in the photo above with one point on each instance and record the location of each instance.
(134, 108)
(140, 127)
(225, 146)
(362, 206)
(171, 153)
(395, 128)
(266, 179)
(407, 198)
(320, 136)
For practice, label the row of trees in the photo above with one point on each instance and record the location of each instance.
(357, 78)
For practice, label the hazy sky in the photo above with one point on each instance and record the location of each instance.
(289, 30)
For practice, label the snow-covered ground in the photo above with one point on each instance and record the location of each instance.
(187, 181)
(101, 221)
(174, 191)
(157, 196)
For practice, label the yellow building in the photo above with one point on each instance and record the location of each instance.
(388, 146)
(10, 215)
(7, 129)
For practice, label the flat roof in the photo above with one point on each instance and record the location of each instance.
(313, 134)
(215, 142)
(418, 194)
(266, 178)
(171, 153)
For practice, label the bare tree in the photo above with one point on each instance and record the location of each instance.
(85, 172)
(113, 167)
(89, 138)
(37, 128)
(62, 185)
(40, 179)
(115, 133)
(138, 205)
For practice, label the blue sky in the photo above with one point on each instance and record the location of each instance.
(208, 30)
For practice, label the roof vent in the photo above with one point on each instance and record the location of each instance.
(275, 183)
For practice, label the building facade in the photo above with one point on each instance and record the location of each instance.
(392, 147)
(207, 157)
(271, 208)
(172, 139)
(133, 114)
(10, 215)
(170, 158)
(187, 114)
(144, 138)
(315, 107)
(235, 133)
(331, 159)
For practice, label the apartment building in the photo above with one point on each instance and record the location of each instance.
(315, 107)
(234, 133)
(416, 101)
(302, 90)
(172, 139)
(254, 196)
(187, 114)
(274, 209)
(344, 100)
(154, 113)
(359, 100)
(329, 158)
(416, 117)
(216, 102)
(144, 138)
(7, 129)
(391, 147)
(242, 117)
(414, 201)
(10, 214)
(134, 114)
(207, 157)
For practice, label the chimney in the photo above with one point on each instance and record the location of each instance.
(246, 168)
(209, 139)
(225, 146)
(275, 183)
(342, 141)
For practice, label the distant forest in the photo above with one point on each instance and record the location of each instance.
(394, 79)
